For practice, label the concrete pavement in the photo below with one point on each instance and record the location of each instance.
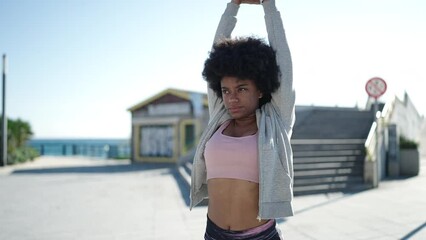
(80, 198)
(395, 210)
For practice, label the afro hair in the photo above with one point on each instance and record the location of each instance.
(246, 58)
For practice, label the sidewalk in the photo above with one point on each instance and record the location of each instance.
(395, 210)
(77, 198)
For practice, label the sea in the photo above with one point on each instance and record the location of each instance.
(97, 148)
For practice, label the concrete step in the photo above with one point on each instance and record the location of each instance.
(321, 147)
(325, 172)
(187, 166)
(329, 159)
(329, 188)
(184, 174)
(327, 165)
(328, 153)
(330, 179)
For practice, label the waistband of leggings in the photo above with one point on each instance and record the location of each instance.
(255, 230)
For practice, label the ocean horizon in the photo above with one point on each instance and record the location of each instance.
(91, 147)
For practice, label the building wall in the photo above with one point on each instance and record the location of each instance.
(166, 129)
(155, 142)
(405, 116)
(163, 110)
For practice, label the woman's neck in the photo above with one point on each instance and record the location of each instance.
(245, 122)
(242, 127)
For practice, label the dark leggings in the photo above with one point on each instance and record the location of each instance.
(264, 232)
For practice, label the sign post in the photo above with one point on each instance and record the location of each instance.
(376, 87)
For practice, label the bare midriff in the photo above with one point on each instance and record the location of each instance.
(233, 203)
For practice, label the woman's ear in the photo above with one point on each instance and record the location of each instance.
(260, 95)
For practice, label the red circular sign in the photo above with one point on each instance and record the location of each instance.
(375, 87)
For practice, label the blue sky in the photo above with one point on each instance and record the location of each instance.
(76, 66)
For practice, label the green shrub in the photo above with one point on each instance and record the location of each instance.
(18, 133)
(22, 154)
(405, 143)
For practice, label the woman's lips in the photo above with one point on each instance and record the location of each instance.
(234, 109)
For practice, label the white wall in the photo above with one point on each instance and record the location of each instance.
(407, 119)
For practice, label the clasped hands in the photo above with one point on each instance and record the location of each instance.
(246, 1)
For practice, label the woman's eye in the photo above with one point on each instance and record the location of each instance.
(242, 89)
(225, 91)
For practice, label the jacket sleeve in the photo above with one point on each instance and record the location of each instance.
(226, 26)
(284, 98)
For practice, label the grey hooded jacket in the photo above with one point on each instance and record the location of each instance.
(274, 119)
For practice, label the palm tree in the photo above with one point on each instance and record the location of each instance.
(18, 133)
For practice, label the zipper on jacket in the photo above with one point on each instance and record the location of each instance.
(258, 122)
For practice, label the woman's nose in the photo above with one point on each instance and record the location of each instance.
(233, 97)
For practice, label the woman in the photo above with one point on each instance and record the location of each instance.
(243, 162)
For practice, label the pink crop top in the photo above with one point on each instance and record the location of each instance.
(232, 157)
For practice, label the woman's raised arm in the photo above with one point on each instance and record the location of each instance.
(226, 26)
(284, 97)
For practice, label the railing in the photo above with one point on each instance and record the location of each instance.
(375, 146)
(387, 110)
(370, 144)
(371, 163)
(83, 149)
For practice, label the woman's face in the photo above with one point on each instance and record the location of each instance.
(241, 97)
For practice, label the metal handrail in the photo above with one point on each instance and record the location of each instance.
(370, 143)
(388, 109)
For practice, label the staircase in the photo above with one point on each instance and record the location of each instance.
(324, 166)
(184, 166)
(328, 149)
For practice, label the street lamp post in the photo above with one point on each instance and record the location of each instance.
(3, 145)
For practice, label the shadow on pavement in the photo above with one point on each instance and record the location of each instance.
(102, 169)
(345, 195)
(412, 233)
